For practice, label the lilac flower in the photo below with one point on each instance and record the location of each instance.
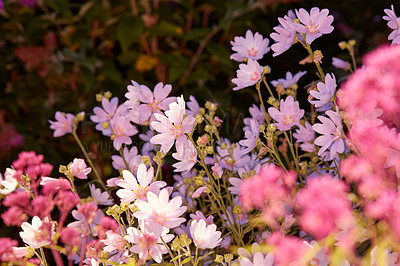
(172, 125)
(79, 169)
(62, 125)
(313, 24)
(187, 155)
(101, 198)
(305, 135)
(193, 106)
(135, 189)
(247, 75)
(339, 63)
(252, 46)
(332, 133)
(290, 80)
(284, 36)
(146, 102)
(394, 24)
(204, 236)
(122, 131)
(105, 114)
(325, 91)
(231, 157)
(289, 114)
(132, 158)
(251, 137)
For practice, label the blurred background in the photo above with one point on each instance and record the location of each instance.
(57, 54)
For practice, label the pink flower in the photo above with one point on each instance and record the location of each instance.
(289, 114)
(131, 156)
(79, 169)
(38, 234)
(137, 189)
(147, 241)
(113, 242)
(248, 74)
(288, 250)
(122, 131)
(284, 36)
(105, 114)
(256, 113)
(394, 24)
(161, 211)
(186, 153)
(205, 236)
(172, 126)
(332, 133)
(252, 46)
(313, 24)
(62, 125)
(290, 80)
(258, 259)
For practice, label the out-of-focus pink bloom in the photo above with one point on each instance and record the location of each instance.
(38, 234)
(247, 74)
(161, 211)
(325, 91)
(101, 198)
(9, 139)
(258, 259)
(313, 24)
(339, 63)
(172, 126)
(289, 80)
(137, 189)
(79, 169)
(62, 125)
(9, 250)
(284, 36)
(70, 236)
(87, 216)
(389, 257)
(122, 131)
(204, 236)
(14, 216)
(322, 205)
(28, 3)
(186, 153)
(332, 133)
(252, 46)
(289, 114)
(288, 250)
(9, 183)
(394, 24)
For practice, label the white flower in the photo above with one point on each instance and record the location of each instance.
(39, 233)
(204, 236)
(9, 183)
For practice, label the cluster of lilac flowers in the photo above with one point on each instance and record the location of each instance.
(318, 188)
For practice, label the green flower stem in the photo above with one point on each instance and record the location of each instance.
(43, 257)
(169, 251)
(98, 178)
(258, 85)
(311, 53)
(296, 163)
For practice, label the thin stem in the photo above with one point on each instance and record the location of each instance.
(57, 257)
(169, 251)
(292, 150)
(258, 84)
(43, 259)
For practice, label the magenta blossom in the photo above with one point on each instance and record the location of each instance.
(252, 46)
(247, 75)
(313, 24)
(62, 125)
(289, 114)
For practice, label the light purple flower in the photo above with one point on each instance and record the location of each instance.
(79, 169)
(132, 158)
(231, 157)
(172, 126)
(394, 24)
(101, 198)
(252, 46)
(133, 189)
(187, 155)
(247, 74)
(122, 131)
(62, 125)
(325, 91)
(332, 133)
(251, 137)
(290, 80)
(284, 36)
(313, 24)
(257, 113)
(193, 106)
(339, 63)
(289, 114)
(305, 135)
(105, 114)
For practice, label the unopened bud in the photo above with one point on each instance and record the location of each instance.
(271, 128)
(228, 257)
(146, 160)
(237, 209)
(108, 94)
(219, 258)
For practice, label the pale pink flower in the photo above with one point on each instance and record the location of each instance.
(197, 193)
(9, 183)
(339, 63)
(186, 153)
(62, 125)
(390, 257)
(38, 234)
(205, 236)
(289, 114)
(251, 137)
(288, 250)
(87, 217)
(161, 211)
(305, 135)
(325, 92)
(257, 113)
(135, 189)
(289, 80)
(148, 241)
(122, 130)
(252, 46)
(79, 169)
(172, 126)
(101, 198)
(200, 216)
(113, 242)
(258, 259)
(313, 24)
(217, 170)
(132, 158)
(105, 114)
(248, 74)
(332, 133)
(193, 106)
(284, 36)
(394, 24)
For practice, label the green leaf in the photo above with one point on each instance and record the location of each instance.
(166, 28)
(185, 261)
(129, 29)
